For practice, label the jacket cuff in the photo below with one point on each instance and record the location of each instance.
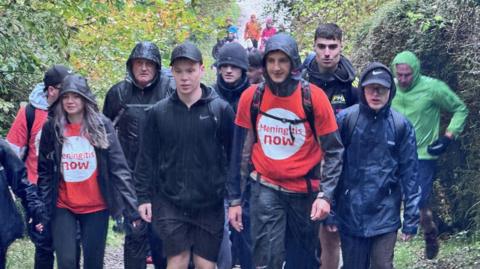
(234, 202)
(143, 200)
(409, 229)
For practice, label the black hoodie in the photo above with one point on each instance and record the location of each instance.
(337, 85)
(184, 151)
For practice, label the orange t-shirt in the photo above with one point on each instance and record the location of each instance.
(281, 160)
(17, 137)
(78, 190)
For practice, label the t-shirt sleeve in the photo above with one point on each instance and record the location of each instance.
(242, 118)
(17, 135)
(325, 121)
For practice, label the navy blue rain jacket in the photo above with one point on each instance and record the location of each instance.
(380, 167)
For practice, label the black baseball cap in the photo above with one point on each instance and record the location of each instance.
(186, 50)
(55, 75)
(377, 76)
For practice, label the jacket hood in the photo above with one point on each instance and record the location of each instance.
(287, 45)
(38, 97)
(144, 50)
(344, 73)
(77, 84)
(232, 93)
(408, 57)
(370, 67)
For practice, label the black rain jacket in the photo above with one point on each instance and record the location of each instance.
(184, 151)
(126, 102)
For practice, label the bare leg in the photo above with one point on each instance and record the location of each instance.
(179, 261)
(201, 263)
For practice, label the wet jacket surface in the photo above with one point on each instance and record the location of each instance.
(337, 85)
(114, 176)
(134, 100)
(184, 152)
(13, 175)
(422, 103)
(380, 166)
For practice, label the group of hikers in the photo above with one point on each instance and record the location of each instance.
(280, 170)
(254, 36)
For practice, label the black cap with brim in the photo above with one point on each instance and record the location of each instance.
(377, 76)
(186, 50)
(55, 75)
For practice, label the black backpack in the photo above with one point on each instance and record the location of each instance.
(306, 103)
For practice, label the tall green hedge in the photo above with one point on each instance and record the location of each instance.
(445, 36)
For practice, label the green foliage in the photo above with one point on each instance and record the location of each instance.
(31, 38)
(444, 35)
(93, 37)
(459, 251)
(306, 15)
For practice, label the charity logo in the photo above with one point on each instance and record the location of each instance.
(78, 159)
(280, 139)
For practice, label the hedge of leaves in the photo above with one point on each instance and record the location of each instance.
(445, 36)
(93, 37)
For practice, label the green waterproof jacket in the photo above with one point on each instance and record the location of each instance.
(422, 103)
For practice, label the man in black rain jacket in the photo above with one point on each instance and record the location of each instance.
(146, 83)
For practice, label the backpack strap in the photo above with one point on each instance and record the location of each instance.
(352, 119)
(255, 108)
(124, 97)
(308, 106)
(30, 118)
(398, 120)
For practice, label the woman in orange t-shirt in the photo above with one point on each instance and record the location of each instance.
(81, 169)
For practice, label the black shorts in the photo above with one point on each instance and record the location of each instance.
(181, 229)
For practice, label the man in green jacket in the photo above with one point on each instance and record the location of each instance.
(421, 99)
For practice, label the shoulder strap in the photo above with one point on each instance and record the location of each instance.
(397, 119)
(352, 119)
(308, 106)
(124, 96)
(255, 107)
(30, 118)
(306, 103)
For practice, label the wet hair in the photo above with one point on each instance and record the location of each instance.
(255, 57)
(92, 128)
(328, 31)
